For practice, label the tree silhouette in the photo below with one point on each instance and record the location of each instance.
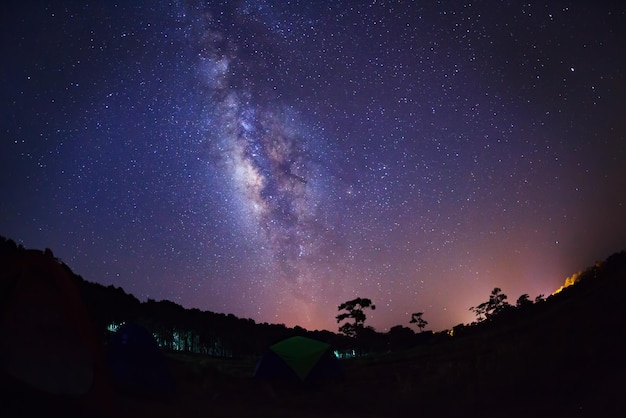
(523, 300)
(355, 312)
(496, 304)
(400, 337)
(416, 318)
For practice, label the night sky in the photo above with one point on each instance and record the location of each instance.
(273, 159)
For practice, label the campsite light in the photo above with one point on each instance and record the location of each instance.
(176, 343)
(114, 326)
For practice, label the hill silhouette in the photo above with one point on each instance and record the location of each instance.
(562, 356)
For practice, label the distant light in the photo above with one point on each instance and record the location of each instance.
(114, 326)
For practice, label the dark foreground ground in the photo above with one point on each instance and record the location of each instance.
(399, 388)
(563, 358)
(461, 377)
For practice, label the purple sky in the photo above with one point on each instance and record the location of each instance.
(273, 159)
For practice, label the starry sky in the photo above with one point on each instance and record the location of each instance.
(273, 159)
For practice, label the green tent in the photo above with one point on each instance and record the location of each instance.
(299, 359)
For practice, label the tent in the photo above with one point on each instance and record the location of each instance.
(49, 351)
(137, 364)
(299, 359)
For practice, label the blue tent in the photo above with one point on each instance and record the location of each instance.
(137, 364)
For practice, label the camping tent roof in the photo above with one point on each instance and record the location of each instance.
(136, 362)
(299, 360)
(47, 340)
(50, 355)
(300, 353)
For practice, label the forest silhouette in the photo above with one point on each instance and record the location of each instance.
(561, 355)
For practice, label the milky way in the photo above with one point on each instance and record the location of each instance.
(274, 159)
(272, 166)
